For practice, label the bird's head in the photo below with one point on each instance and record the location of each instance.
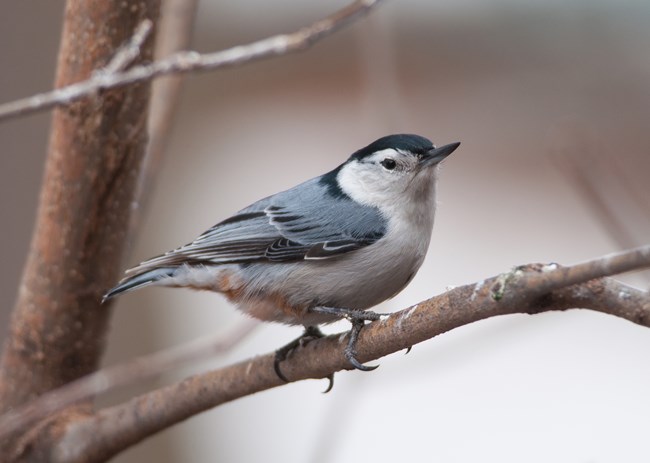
(394, 168)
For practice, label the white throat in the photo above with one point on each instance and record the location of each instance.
(412, 199)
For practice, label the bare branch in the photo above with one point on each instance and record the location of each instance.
(177, 19)
(600, 179)
(612, 264)
(137, 369)
(583, 177)
(130, 50)
(188, 61)
(527, 289)
(176, 25)
(58, 328)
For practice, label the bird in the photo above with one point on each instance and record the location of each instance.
(327, 249)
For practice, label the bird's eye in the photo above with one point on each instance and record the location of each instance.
(388, 163)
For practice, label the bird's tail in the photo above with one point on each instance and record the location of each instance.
(139, 280)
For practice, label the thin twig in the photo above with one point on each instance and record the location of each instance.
(583, 178)
(175, 32)
(611, 197)
(109, 378)
(611, 264)
(129, 51)
(189, 61)
(597, 176)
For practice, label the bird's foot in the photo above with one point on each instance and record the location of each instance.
(358, 319)
(310, 333)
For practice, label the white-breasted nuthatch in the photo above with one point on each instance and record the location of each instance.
(327, 249)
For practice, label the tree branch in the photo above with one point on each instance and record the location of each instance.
(528, 289)
(115, 376)
(599, 181)
(128, 52)
(176, 24)
(188, 61)
(58, 327)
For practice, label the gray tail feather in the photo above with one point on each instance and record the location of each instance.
(138, 281)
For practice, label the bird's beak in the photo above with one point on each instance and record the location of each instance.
(435, 155)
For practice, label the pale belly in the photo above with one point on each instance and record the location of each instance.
(358, 280)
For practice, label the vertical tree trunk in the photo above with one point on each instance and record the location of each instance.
(96, 147)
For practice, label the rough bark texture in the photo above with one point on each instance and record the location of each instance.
(96, 146)
(113, 429)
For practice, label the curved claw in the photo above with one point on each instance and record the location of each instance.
(276, 367)
(350, 349)
(408, 349)
(281, 355)
(358, 319)
(331, 383)
(358, 365)
(310, 333)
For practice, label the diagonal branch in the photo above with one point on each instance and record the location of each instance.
(176, 26)
(128, 52)
(189, 61)
(596, 185)
(115, 376)
(528, 289)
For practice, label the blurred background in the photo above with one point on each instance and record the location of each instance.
(551, 101)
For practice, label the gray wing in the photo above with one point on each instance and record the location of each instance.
(306, 222)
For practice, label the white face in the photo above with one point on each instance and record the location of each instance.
(388, 177)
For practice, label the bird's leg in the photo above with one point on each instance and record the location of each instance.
(310, 333)
(358, 319)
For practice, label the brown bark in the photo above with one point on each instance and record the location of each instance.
(530, 290)
(96, 146)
